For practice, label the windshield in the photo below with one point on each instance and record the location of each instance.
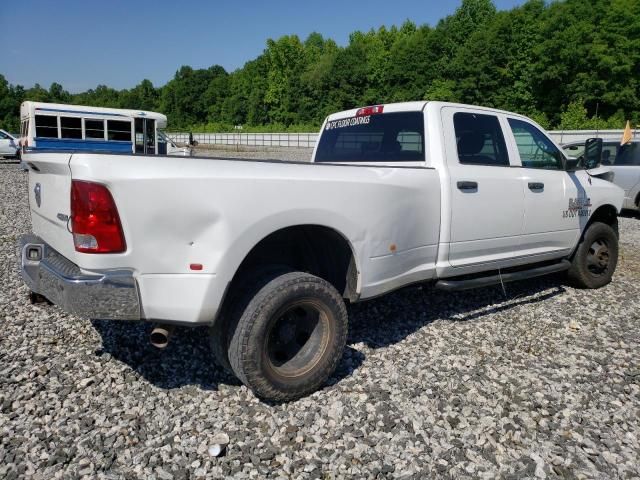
(388, 137)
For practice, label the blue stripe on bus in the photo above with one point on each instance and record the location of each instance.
(80, 145)
(81, 111)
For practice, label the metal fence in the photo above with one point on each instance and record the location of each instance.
(568, 136)
(286, 140)
(308, 140)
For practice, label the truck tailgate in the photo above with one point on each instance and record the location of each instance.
(49, 199)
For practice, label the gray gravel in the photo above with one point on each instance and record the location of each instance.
(544, 383)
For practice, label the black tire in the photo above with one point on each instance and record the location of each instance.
(596, 257)
(218, 342)
(240, 293)
(289, 337)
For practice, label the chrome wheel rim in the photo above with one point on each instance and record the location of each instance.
(598, 257)
(297, 338)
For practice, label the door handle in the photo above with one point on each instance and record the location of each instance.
(467, 185)
(536, 186)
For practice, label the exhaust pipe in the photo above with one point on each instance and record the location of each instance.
(160, 335)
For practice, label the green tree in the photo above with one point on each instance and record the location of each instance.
(143, 96)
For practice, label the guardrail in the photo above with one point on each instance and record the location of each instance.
(308, 140)
(287, 140)
(568, 136)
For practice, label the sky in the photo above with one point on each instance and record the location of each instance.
(83, 43)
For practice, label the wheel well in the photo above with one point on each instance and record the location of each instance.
(638, 200)
(605, 214)
(314, 249)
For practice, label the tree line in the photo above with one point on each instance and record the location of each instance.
(567, 64)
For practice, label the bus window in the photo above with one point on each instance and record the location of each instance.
(46, 126)
(119, 130)
(94, 129)
(70, 127)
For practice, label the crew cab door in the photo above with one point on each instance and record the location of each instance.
(486, 196)
(556, 202)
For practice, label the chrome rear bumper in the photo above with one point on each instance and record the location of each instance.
(111, 294)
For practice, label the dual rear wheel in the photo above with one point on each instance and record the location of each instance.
(284, 336)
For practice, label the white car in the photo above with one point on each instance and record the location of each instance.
(9, 145)
(267, 253)
(623, 161)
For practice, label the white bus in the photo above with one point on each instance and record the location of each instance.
(55, 126)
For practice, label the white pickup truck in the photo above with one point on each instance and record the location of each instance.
(267, 253)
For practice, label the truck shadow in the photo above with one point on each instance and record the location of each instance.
(630, 214)
(378, 323)
(187, 360)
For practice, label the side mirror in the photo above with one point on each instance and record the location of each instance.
(572, 164)
(592, 153)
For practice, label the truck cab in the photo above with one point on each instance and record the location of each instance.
(509, 195)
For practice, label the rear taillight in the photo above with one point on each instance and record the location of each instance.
(95, 223)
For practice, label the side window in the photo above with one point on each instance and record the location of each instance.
(94, 129)
(536, 150)
(70, 127)
(480, 140)
(3, 136)
(46, 126)
(628, 154)
(119, 130)
(609, 154)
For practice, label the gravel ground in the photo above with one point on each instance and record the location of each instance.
(540, 383)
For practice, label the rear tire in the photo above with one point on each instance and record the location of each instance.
(289, 336)
(240, 294)
(596, 257)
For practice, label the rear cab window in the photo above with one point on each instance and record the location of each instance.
(377, 137)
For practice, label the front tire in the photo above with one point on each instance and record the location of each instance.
(289, 337)
(596, 257)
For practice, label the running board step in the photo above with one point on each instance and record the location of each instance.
(451, 285)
